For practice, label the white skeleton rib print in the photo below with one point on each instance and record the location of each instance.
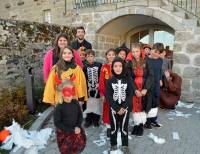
(119, 91)
(93, 79)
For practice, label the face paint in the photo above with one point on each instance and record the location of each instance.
(68, 91)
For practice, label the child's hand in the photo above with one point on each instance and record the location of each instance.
(102, 99)
(138, 93)
(161, 83)
(121, 111)
(144, 92)
(77, 130)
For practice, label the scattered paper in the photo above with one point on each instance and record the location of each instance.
(171, 118)
(39, 114)
(156, 139)
(179, 114)
(33, 141)
(198, 111)
(181, 104)
(100, 142)
(175, 136)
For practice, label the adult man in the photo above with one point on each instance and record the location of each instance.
(80, 43)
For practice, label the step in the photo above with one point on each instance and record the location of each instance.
(190, 22)
(181, 14)
(168, 7)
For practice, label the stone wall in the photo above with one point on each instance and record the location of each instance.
(23, 45)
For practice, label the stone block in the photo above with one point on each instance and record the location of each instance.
(193, 48)
(197, 60)
(191, 72)
(180, 58)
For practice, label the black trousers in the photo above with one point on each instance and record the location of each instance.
(92, 118)
(117, 121)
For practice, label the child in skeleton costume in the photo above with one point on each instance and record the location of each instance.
(105, 74)
(65, 69)
(155, 63)
(68, 119)
(92, 73)
(119, 93)
(143, 79)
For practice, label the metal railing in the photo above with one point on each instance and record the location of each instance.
(190, 6)
(94, 3)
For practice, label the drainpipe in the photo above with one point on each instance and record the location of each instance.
(65, 7)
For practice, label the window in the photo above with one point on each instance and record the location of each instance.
(142, 36)
(165, 37)
(47, 16)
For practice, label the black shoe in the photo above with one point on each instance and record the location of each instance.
(108, 132)
(173, 108)
(134, 131)
(148, 126)
(155, 124)
(87, 124)
(96, 124)
(125, 150)
(113, 148)
(140, 131)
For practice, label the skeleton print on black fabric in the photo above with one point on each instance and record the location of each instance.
(93, 79)
(119, 91)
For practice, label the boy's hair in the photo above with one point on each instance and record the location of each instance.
(80, 27)
(158, 47)
(90, 52)
(109, 50)
(136, 45)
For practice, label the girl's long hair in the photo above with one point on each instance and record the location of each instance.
(62, 64)
(141, 62)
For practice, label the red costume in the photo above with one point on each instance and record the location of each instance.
(105, 75)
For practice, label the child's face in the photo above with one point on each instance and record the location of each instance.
(62, 42)
(122, 54)
(163, 54)
(147, 51)
(136, 52)
(117, 68)
(110, 56)
(67, 55)
(68, 93)
(155, 54)
(90, 58)
(82, 55)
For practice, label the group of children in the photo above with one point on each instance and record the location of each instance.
(128, 82)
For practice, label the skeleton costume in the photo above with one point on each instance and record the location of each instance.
(119, 93)
(94, 109)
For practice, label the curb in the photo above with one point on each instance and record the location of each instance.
(37, 125)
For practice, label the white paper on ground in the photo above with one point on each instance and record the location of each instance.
(198, 111)
(28, 139)
(181, 104)
(100, 142)
(156, 139)
(175, 136)
(179, 114)
(171, 118)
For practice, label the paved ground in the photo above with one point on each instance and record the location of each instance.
(188, 128)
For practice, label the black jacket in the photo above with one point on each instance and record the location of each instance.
(76, 45)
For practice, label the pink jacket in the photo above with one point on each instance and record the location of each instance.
(48, 62)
